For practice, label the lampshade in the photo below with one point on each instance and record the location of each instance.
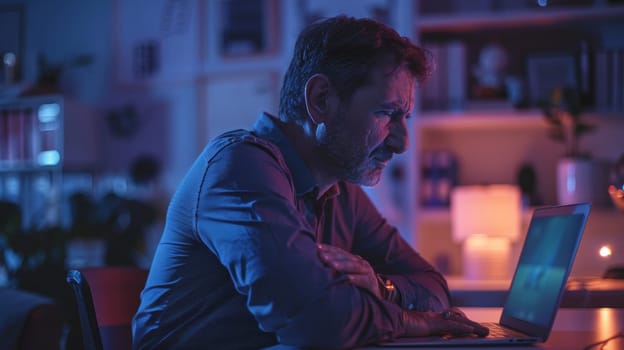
(492, 211)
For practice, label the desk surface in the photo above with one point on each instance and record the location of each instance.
(573, 329)
(580, 293)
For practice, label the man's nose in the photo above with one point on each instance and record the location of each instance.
(398, 139)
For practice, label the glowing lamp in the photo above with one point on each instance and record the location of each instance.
(485, 220)
(605, 251)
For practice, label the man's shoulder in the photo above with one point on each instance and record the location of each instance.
(239, 150)
(234, 140)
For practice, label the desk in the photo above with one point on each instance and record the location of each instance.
(573, 329)
(580, 293)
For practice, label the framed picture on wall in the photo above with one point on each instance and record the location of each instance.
(314, 10)
(11, 42)
(546, 72)
(248, 28)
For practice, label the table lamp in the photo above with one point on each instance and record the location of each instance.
(486, 220)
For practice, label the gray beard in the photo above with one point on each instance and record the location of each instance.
(347, 161)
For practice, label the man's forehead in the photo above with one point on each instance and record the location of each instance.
(392, 76)
(400, 86)
(399, 103)
(390, 86)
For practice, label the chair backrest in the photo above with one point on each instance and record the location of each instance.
(86, 311)
(114, 293)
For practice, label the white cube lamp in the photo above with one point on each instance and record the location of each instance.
(486, 220)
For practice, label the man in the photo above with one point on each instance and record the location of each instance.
(269, 238)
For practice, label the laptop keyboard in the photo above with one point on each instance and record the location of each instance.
(498, 331)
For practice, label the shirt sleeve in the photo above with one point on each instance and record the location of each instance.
(420, 285)
(246, 215)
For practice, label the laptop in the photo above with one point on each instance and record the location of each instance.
(538, 283)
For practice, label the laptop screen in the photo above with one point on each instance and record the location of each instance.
(543, 268)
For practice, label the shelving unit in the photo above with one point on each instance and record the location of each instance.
(491, 143)
(514, 18)
(31, 157)
(445, 129)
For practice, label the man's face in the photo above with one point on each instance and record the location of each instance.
(361, 135)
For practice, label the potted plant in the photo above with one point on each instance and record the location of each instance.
(29, 257)
(575, 169)
(87, 237)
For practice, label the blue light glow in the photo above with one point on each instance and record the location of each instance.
(52, 157)
(48, 112)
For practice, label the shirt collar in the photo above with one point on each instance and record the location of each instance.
(267, 127)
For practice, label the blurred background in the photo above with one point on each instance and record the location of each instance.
(105, 104)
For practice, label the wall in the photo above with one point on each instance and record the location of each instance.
(63, 29)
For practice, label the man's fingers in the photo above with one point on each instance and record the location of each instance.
(458, 324)
(354, 267)
(347, 266)
(362, 280)
(457, 311)
(456, 328)
(343, 261)
(447, 322)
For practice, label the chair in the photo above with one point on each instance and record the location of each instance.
(29, 320)
(107, 298)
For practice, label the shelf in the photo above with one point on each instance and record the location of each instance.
(450, 22)
(482, 119)
(8, 169)
(443, 215)
(497, 119)
(490, 139)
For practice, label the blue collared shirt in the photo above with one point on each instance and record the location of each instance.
(237, 265)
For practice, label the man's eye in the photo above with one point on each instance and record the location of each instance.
(394, 114)
(399, 115)
(389, 113)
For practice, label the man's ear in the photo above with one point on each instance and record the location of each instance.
(317, 91)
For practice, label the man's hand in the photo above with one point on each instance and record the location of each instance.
(450, 322)
(357, 269)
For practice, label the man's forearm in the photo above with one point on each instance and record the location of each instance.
(426, 291)
(348, 316)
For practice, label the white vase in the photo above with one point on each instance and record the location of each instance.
(575, 180)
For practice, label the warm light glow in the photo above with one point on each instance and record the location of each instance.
(486, 258)
(607, 324)
(493, 210)
(605, 251)
(486, 219)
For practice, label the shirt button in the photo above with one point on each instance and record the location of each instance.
(410, 307)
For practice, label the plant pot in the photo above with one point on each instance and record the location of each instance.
(576, 179)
